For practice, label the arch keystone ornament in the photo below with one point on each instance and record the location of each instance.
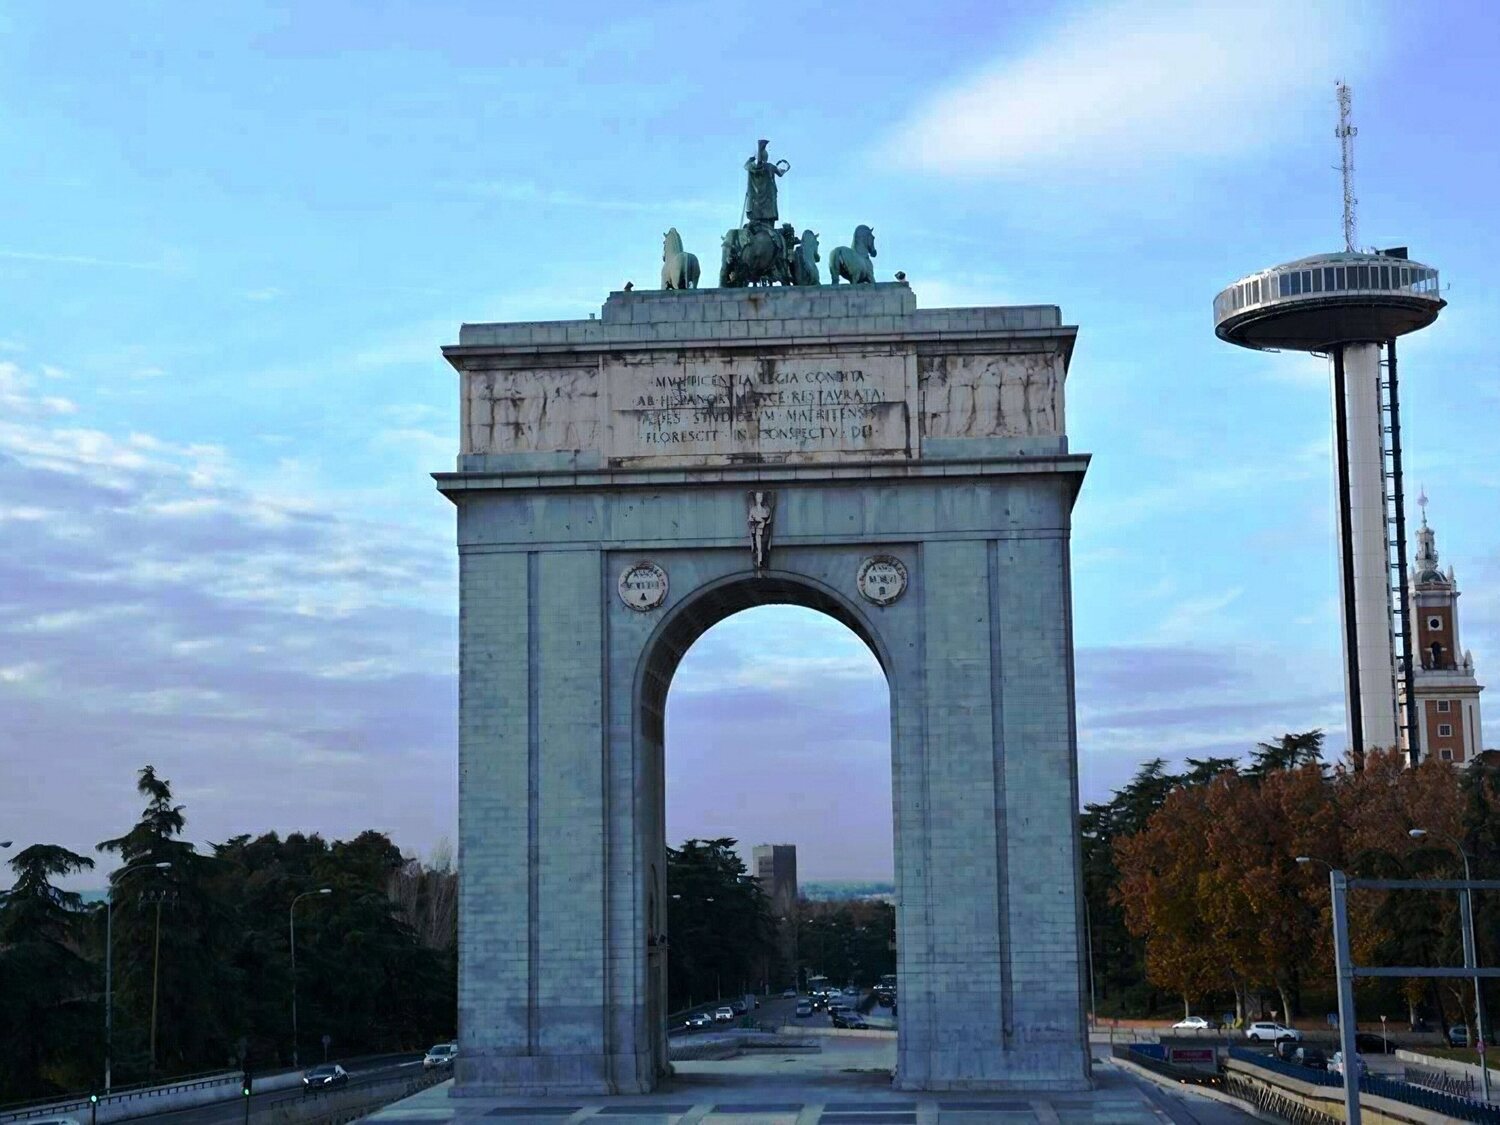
(643, 586)
(881, 579)
(666, 436)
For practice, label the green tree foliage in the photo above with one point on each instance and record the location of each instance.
(49, 1009)
(208, 938)
(847, 942)
(719, 922)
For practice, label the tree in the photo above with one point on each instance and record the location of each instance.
(718, 919)
(177, 1001)
(49, 1013)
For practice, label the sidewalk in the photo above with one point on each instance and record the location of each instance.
(847, 1083)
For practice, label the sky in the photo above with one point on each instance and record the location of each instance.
(234, 237)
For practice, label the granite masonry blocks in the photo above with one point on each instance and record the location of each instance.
(562, 689)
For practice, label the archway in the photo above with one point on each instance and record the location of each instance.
(778, 729)
(625, 483)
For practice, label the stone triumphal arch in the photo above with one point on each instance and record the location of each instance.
(626, 482)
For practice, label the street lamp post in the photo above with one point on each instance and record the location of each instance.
(291, 920)
(1471, 951)
(109, 949)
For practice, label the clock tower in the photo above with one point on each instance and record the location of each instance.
(1446, 692)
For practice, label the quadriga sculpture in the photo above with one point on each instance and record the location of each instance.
(852, 263)
(805, 260)
(679, 269)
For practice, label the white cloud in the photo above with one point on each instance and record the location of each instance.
(1127, 86)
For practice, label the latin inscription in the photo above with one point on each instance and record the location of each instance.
(766, 407)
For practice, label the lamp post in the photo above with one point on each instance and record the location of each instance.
(291, 921)
(109, 949)
(1471, 951)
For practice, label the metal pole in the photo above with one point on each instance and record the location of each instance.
(155, 974)
(1088, 926)
(1343, 963)
(291, 918)
(1471, 961)
(109, 992)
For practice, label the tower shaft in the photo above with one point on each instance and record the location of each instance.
(1369, 655)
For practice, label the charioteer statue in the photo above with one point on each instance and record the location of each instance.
(759, 252)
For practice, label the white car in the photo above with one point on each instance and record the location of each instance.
(724, 1014)
(1268, 1031)
(1336, 1064)
(438, 1055)
(1191, 1023)
(789, 994)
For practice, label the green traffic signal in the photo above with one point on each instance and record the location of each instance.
(93, 1099)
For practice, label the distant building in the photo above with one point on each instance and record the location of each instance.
(775, 867)
(1445, 689)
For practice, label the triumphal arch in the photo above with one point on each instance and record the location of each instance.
(626, 482)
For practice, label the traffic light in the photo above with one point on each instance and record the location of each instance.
(93, 1099)
(245, 1084)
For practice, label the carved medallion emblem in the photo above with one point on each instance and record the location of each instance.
(882, 579)
(643, 586)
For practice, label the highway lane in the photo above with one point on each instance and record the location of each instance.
(231, 1111)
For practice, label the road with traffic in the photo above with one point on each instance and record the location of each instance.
(363, 1072)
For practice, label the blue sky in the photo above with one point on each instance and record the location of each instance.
(234, 238)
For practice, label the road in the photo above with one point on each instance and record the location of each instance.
(773, 1009)
(232, 1111)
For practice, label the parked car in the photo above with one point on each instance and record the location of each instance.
(699, 1020)
(1369, 1041)
(1268, 1031)
(1310, 1057)
(1336, 1065)
(439, 1055)
(724, 1014)
(1191, 1023)
(855, 1021)
(789, 994)
(737, 1007)
(1458, 1035)
(321, 1077)
(804, 1009)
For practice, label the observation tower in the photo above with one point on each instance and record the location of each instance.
(1351, 306)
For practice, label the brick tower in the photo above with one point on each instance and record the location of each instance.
(1445, 688)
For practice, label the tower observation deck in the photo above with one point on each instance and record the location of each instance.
(1351, 306)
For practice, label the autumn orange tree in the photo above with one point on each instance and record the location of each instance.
(1211, 885)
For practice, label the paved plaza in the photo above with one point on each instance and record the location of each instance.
(847, 1083)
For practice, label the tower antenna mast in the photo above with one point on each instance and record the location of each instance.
(1345, 134)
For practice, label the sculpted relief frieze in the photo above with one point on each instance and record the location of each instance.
(977, 396)
(644, 408)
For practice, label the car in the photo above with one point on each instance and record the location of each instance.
(1269, 1031)
(804, 1009)
(724, 1014)
(1310, 1057)
(1285, 1050)
(855, 1021)
(738, 1007)
(1377, 1044)
(699, 1020)
(439, 1055)
(1191, 1023)
(1336, 1064)
(51, 1121)
(1458, 1035)
(322, 1077)
(789, 994)
(837, 1017)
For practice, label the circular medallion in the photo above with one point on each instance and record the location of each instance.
(643, 586)
(882, 579)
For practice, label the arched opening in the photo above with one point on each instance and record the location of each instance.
(766, 718)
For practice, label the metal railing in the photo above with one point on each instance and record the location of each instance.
(67, 1106)
(1458, 1085)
